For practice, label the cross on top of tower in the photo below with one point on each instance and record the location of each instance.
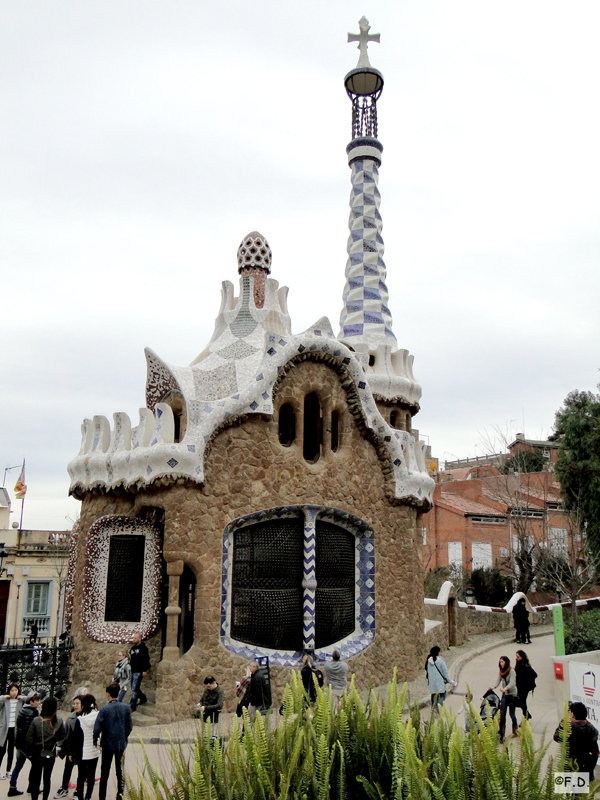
(363, 38)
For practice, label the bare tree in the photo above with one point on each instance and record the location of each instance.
(58, 550)
(569, 565)
(530, 500)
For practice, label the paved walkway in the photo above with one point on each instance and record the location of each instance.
(481, 671)
(474, 663)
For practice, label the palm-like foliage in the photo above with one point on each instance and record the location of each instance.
(378, 751)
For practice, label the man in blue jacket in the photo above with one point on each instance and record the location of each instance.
(111, 731)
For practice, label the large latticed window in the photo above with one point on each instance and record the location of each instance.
(290, 582)
(336, 584)
(267, 584)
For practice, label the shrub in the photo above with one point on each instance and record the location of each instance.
(588, 637)
(373, 751)
(434, 580)
(490, 587)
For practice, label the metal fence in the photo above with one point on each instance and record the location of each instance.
(44, 667)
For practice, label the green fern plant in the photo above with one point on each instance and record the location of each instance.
(374, 750)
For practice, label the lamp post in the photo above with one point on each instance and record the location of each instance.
(17, 610)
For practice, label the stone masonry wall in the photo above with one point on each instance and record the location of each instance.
(248, 470)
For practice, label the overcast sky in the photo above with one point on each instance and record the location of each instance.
(141, 140)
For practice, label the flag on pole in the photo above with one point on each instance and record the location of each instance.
(20, 485)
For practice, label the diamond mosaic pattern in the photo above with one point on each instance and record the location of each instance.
(365, 316)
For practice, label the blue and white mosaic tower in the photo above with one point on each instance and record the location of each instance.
(366, 319)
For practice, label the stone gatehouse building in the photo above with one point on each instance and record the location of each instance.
(268, 502)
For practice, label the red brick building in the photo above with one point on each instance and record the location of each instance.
(482, 521)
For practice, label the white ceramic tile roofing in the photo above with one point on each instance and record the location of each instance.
(234, 376)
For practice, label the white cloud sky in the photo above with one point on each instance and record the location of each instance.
(141, 140)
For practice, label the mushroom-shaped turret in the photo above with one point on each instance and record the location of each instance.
(254, 253)
(254, 258)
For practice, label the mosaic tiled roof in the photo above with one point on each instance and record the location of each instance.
(234, 376)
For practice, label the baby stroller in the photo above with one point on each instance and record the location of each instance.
(491, 701)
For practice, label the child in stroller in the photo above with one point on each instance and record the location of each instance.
(490, 699)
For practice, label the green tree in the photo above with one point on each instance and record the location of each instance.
(490, 586)
(577, 427)
(525, 461)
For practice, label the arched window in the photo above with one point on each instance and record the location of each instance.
(177, 427)
(312, 428)
(371, 360)
(335, 431)
(174, 398)
(287, 425)
(394, 419)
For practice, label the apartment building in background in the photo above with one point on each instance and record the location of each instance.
(33, 572)
(481, 517)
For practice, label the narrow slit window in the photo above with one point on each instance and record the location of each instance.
(287, 425)
(335, 431)
(177, 427)
(312, 428)
(394, 419)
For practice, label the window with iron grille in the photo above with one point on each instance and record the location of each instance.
(125, 578)
(334, 601)
(267, 583)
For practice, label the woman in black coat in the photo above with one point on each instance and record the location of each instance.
(526, 676)
(521, 621)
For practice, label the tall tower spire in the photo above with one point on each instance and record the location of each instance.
(366, 320)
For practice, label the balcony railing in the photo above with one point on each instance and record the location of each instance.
(43, 626)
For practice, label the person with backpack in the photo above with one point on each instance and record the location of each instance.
(582, 740)
(526, 676)
(437, 678)
(28, 713)
(44, 740)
